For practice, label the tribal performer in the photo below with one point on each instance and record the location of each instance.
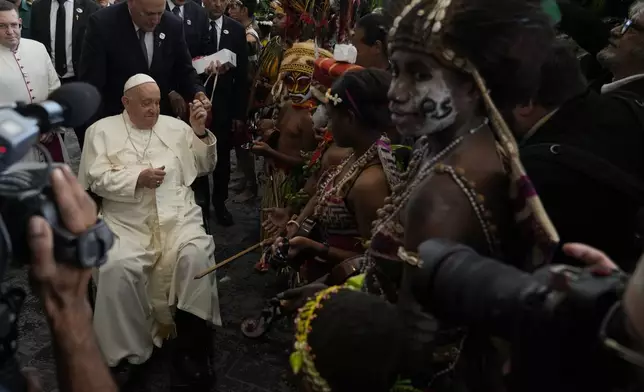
(348, 196)
(293, 127)
(325, 156)
(453, 62)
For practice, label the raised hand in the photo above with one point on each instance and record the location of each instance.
(198, 116)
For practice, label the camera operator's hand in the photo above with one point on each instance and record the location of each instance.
(61, 286)
(63, 290)
(594, 258)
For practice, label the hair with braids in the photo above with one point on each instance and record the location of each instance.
(364, 93)
(357, 342)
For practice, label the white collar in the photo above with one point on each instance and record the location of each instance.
(607, 88)
(219, 21)
(171, 5)
(7, 50)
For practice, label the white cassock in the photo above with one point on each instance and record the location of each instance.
(27, 75)
(160, 240)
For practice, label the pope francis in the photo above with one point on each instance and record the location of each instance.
(142, 164)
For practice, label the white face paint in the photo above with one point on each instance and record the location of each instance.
(420, 99)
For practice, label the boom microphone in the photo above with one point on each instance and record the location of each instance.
(21, 124)
(71, 105)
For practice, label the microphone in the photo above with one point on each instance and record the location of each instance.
(21, 124)
(72, 105)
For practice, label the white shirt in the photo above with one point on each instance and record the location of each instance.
(171, 6)
(607, 88)
(28, 74)
(149, 43)
(69, 21)
(219, 23)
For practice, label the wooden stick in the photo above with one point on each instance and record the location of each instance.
(228, 260)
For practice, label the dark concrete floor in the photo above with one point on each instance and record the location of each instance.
(241, 364)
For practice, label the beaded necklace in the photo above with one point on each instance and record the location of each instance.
(418, 170)
(327, 192)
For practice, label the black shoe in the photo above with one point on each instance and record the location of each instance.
(223, 216)
(192, 364)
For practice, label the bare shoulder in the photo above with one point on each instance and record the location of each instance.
(371, 178)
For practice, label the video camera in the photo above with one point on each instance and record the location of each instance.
(553, 331)
(25, 191)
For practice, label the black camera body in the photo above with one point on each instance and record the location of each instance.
(553, 332)
(25, 191)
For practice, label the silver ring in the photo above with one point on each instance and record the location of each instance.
(158, 183)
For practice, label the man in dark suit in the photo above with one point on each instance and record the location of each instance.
(64, 44)
(196, 31)
(583, 153)
(230, 99)
(60, 26)
(138, 36)
(196, 25)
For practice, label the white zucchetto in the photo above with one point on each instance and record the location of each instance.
(137, 80)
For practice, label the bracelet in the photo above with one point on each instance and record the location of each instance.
(293, 222)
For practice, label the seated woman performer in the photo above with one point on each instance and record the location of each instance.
(326, 155)
(349, 195)
(453, 62)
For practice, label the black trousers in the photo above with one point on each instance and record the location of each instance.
(220, 176)
(79, 131)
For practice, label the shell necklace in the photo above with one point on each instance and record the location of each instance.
(356, 167)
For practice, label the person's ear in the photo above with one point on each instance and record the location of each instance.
(524, 110)
(377, 46)
(125, 101)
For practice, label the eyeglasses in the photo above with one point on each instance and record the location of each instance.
(629, 23)
(10, 26)
(616, 315)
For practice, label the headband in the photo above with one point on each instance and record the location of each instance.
(302, 358)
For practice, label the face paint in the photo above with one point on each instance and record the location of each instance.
(436, 105)
(298, 85)
(421, 101)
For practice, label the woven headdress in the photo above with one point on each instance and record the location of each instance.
(501, 44)
(301, 57)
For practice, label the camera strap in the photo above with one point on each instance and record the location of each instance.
(87, 250)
